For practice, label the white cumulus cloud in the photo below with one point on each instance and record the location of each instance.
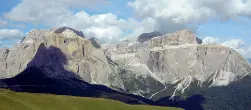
(57, 13)
(107, 25)
(108, 32)
(237, 44)
(152, 15)
(10, 34)
(172, 15)
(9, 37)
(210, 40)
(46, 11)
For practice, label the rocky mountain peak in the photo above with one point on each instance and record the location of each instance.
(82, 57)
(188, 32)
(67, 30)
(199, 41)
(95, 42)
(146, 36)
(181, 37)
(35, 34)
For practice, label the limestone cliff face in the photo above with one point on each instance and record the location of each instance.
(176, 61)
(3, 64)
(177, 38)
(202, 62)
(83, 58)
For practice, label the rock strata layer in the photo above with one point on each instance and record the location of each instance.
(177, 61)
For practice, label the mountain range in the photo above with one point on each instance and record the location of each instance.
(175, 69)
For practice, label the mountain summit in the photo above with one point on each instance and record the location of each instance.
(146, 36)
(67, 29)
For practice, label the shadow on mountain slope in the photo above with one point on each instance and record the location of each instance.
(36, 79)
(46, 74)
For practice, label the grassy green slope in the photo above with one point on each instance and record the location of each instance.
(10, 100)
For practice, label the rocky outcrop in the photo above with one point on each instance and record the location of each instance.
(63, 29)
(146, 36)
(83, 58)
(218, 64)
(95, 42)
(177, 38)
(177, 61)
(3, 64)
(199, 41)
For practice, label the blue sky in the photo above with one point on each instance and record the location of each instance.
(228, 23)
